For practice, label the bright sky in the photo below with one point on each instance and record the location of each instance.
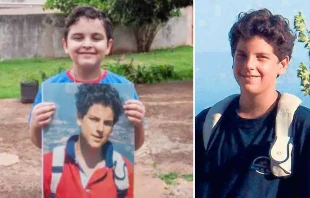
(223, 13)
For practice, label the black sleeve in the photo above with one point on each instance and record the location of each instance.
(302, 134)
(307, 164)
(304, 171)
(199, 151)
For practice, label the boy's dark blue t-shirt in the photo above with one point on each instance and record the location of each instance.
(237, 161)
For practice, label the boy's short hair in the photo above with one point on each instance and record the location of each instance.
(274, 29)
(102, 94)
(89, 13)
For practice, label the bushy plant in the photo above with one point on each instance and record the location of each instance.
(141, 73)
(304, 37)
(30, 78)
(45, 75)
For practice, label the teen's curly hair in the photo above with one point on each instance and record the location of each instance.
(103, 94)
(274, 29)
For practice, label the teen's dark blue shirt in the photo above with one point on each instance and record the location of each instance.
(236, 162)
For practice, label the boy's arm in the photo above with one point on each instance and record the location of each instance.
(139, 136)
(139, 130)
(35, 136)
(304, 172)
(201, 185)
(300, 178)
(40, 116)
(307, 168)
(135, 111)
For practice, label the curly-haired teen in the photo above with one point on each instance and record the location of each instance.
(236, 159)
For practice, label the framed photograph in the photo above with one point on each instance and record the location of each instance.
(88, 137)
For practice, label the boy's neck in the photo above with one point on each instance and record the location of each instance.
(87, 155)
(85, 75)
(253, 106)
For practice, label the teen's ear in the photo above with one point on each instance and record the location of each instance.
(78, 122)
(110, 45)
(284, 65)
(65, 45)
(78, 119)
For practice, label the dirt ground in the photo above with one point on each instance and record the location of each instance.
(168, 146)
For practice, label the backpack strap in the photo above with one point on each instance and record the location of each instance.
(213, 116)
(57, 167)
(281, 149)
(120, 174)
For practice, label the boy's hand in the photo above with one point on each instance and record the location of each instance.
(42, 114)
(135, 111)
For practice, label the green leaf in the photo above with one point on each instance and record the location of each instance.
(302, 37)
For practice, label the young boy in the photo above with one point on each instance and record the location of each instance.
(236, 160)
(88, 164)
(87, 40)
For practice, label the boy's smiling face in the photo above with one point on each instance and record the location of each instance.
(256, 67)
(87, 43)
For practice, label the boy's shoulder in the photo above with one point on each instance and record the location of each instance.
(200, 119)
(224, 105)
(114, 78)
(59, 78)
(302, 114)
(202, 115)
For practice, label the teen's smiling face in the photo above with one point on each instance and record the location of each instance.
(87, 43)
(256, 67)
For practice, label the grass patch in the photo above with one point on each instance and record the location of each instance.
(188, 177)
(12, 71)
(170, 178)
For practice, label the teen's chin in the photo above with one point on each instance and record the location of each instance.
(95, 144)
(250, 88)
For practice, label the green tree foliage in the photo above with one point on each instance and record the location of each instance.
(144, 16)
(303, 37)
